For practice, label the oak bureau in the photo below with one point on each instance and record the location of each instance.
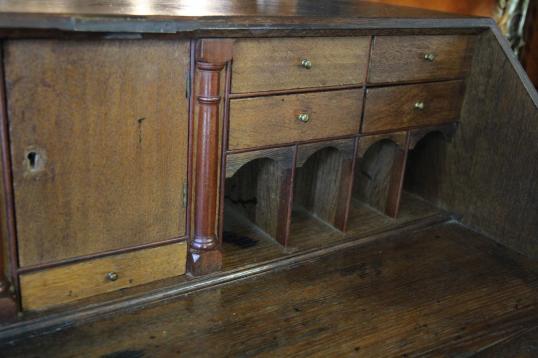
(150, 147)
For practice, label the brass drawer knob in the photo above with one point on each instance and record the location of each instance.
(419, 105)
(112, 276)
(303, 117)
(429, 57)
(306, 64)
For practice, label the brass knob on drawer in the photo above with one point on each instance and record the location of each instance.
(419, 105)
(112, 276)
(429, 57)
(303, 117)
(306, 64)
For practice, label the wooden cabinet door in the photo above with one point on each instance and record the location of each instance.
(99, 133)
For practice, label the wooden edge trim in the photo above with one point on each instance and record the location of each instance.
(77, 259)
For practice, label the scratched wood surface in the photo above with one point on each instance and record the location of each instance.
(441, 291)
(99, 144)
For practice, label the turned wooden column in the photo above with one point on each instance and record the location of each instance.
(205, 248)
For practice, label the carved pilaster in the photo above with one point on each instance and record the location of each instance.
(205, 250)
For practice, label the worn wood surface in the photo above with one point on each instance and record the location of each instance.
(458, 296)
(323, 181)
(99, 144)
(487, 172)
(261, 188)
(275, 64)
(262, 121)
(379, 171)
(60, 285)
(373, 174)
(244, 244)
(401, 58)
(392, 108)
(519, 345)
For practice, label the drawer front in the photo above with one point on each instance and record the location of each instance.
(419, 58)
(263, 121)
(412, 106)
(60, 285)
(99, 136)
(276, 64)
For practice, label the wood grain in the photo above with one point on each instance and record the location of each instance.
(487, 172)
(255, 122)
(108, 122)
(393, 108)
(323, 181)
(235, 161)
(401, 58)
(379, 171)
(261, 188)
(60, 285)
(275, 64)
(442, 291)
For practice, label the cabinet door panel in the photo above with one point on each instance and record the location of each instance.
(99, 144)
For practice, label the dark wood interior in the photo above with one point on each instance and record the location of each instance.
(280, 179)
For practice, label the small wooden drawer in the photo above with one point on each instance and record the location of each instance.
(408, 106)
(60, 285)
(420, 58)
(277, 64)
(264, 121)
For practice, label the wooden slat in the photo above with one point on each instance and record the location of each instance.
(60, 285)
(108, 122)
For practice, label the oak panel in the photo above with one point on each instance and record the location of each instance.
(401, 58)
(99, 144)
(394, 107)
(256, 122)
(275, 64)
(68, 283)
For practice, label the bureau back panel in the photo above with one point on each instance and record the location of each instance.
(99, 144)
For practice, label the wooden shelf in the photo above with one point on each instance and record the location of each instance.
(245, 244)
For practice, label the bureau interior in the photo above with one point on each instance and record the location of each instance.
(336, 192)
